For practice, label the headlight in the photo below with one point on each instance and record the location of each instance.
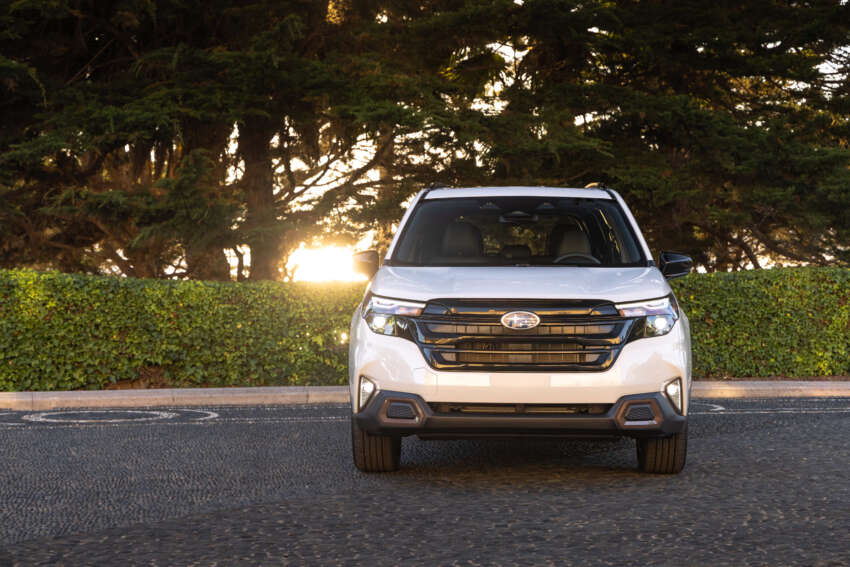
(659, 314)
(389, 316)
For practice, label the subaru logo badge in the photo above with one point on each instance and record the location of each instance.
(520, 320)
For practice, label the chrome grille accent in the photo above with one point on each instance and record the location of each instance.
(572, 336)
(519, 358)
(499, 330)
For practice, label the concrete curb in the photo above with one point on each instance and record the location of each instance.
(284, 395)
(769, 389)
(279, 395)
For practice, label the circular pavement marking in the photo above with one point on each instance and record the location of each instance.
(711, 407)
(208, 414)
(89, 416)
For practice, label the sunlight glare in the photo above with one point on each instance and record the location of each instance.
(331, 263)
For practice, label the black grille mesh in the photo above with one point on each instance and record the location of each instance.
(579, 336)
(400, 410)
(641, 412)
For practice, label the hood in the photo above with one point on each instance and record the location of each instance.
(512, 282)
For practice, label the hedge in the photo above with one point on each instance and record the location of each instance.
(63, 331)
(780, 322)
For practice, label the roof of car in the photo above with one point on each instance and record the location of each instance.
(564, 192)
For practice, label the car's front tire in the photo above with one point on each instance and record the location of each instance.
(665, 455)
(374, 453)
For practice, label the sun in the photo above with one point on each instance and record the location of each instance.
(330, 263)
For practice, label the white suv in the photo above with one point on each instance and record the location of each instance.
(520, 311)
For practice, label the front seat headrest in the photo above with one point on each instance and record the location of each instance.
(516, 251)
(462, 240)
(570, 239)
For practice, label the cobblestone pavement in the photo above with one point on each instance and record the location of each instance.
(767, 483)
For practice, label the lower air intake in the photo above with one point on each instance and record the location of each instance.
(640, 412)
(400, 410)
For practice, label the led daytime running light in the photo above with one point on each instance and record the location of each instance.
(394, 306)
(644, 308)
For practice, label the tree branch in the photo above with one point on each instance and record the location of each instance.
(780, 249)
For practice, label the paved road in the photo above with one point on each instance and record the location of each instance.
(767, 483)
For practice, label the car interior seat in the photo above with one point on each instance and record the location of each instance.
(569, 239)
(514, 251)
(462, 241)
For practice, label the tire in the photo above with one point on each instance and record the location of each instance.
(374, 453)
(663, 456)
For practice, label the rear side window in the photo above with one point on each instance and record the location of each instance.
(504, 231)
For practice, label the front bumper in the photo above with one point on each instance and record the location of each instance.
(397, 365)
(398, 413)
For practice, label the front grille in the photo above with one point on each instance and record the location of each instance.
(520, 353)
(571, 336)
(492, 330)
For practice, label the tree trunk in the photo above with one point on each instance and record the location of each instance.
(205, 257)
(261, 231)
(207, 263)
(386, 193)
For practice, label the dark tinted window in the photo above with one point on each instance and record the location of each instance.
(500, 231)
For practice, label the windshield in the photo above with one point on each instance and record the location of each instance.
(509, 231)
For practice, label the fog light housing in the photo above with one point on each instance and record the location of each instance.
(365, 390)
(674, 392)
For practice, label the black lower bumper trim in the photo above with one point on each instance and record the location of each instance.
(422, 420)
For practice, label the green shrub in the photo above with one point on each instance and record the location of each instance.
(779, 322)
(62, 331)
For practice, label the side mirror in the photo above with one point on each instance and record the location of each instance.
(366, 263)
(674, 265)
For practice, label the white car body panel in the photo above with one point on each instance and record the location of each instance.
(618, 285)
